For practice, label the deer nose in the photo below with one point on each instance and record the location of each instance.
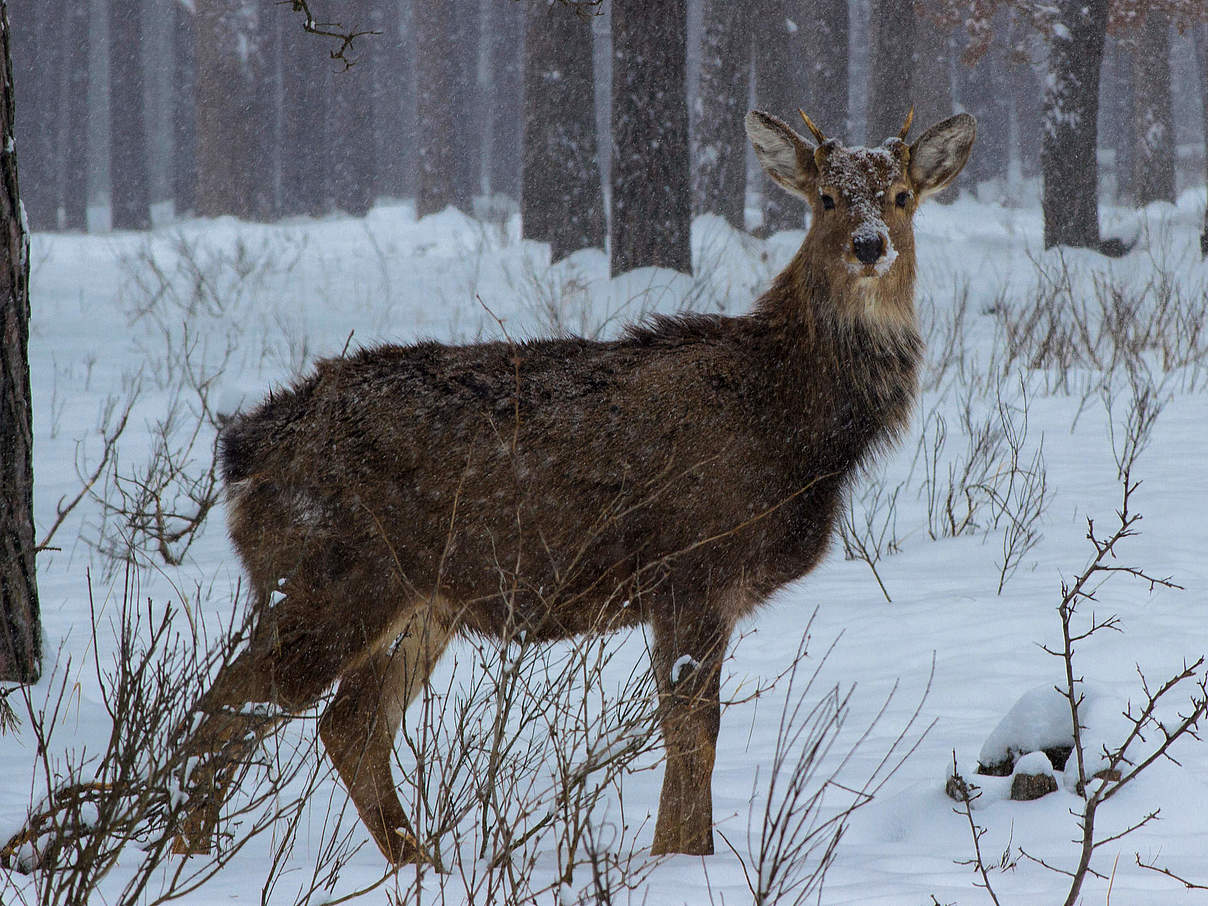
(868, 248)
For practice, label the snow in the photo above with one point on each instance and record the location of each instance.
(682, 663)
(286, 294)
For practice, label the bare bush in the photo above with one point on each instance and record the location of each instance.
(94, 806)
(1062, 329)
(1149, 736)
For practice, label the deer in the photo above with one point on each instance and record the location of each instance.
(674, 477)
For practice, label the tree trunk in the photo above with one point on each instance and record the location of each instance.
(825, 35)
(184, 112)
(890, 69)
(20, 631)
(1026, 91)
(1201, 55)
(353, 176)
(719, 144)
(561, 199)
(651, 198)
(37, 61)
(506, 37)
(390, 79)
(1071, 109)
(437, 71)
(232, 123)
(982, 95)
(74, 140)
(777, 43)
(1153, 114)
(129, 181)
(1116, 109)
(305, 97)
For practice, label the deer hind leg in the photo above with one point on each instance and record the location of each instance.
(300, 646)
(686, 659)
(359, 726)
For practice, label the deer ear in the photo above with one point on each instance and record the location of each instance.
(940, 153)
(786, 156)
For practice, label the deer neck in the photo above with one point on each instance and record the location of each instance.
(850, 344)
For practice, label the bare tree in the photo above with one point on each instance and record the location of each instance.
(20, 632)
(651, 199)
(1071, 174)
(561, 198)
(719, 165)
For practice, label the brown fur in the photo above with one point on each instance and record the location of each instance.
(676, 476)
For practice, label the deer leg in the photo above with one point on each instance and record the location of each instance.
(359, 726)
(224, 735)
(686, 659)
(299, 648)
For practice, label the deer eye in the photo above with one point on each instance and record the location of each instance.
(902, 199)
(828, 203)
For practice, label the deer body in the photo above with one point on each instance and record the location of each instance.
(676, 476)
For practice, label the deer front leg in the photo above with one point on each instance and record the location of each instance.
(359, 726)
(687, 656)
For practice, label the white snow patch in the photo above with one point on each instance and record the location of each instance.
(682, 663)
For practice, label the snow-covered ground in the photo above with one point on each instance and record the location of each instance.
(123, 316)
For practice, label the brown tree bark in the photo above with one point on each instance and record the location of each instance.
(651, 197)
(1153, 113)
(561, 198)
(1070, 197)
(20, 631)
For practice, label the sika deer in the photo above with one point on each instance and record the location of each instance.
(676, 476)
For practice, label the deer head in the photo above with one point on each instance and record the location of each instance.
(861, 238)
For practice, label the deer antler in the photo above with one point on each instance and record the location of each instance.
(906, 125)
(817, 133)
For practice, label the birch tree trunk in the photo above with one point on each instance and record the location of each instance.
(20, 632)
